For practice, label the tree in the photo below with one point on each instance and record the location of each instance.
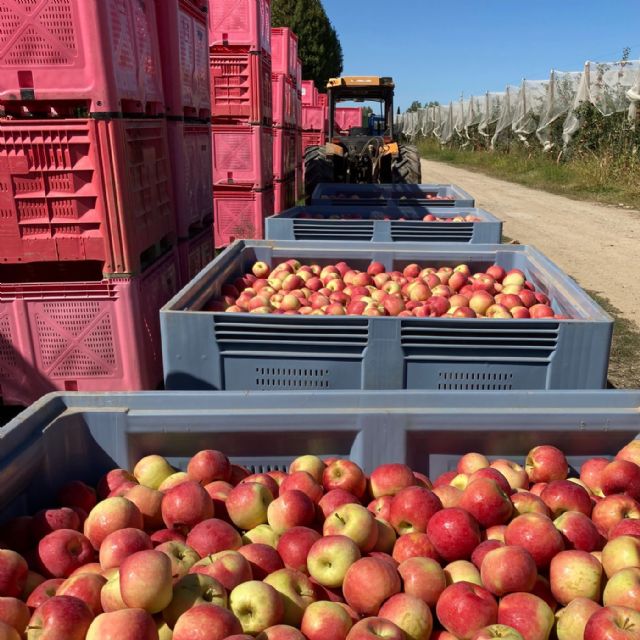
(415, 105)
(319, 47)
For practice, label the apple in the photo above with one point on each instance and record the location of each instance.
(344, 475)
(13, 573)
(48, 520)
(528, 614)
(152, 470)
(229, 567)
(546, 463)
(297, 593)
(613, 623)
(535, 533)
(313, 465)
(213, 535)
(373, 628)
(330, 557)
(264, 479)
(209, 465)
(191, 590)
(291, 508)
(381, 507)
(623, 589)
(508, 569)
(120, 544)
(449, 495)
(302, 481)
(562, 495)
(181, 556)
(166, 535)
(355, 522)
(483, 549)
(572, 620)
(262, 534)
(527, 502)
(112, 480)
(575, 574)
(149, 503)
(146, 581)
(464, 608)
(62, 551)
(293, 547)
(257, 605)
(486, 502)
(410, 614)
(412, 508)
(497, 631)
(494, 474)
(173, 481)
(220, 623)
(625, 528)
(43, 592)
(620, 553)
(260, 269)
(128, 624)
(414, 544)
(85, 586)
(335, 498)
(60, 618)
(7, 632)
(185, 505)
(325, 621)
(110, 515)
(611, 510)
(280, 632)
(516, 476)
(14, 613)
(262, 558)
(621, 476)
(471, 462)
(423, 578)
(578, 531)
(247, 505)
(368, 582)
(454, 533)
(462, 571)
(389, 479)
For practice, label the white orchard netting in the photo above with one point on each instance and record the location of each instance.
(535, 106)
(609, 86)
(561, 93)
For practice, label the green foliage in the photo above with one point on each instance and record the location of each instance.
(319, 47)
(415, 105)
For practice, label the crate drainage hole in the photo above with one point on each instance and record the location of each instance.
(460, 381)
(291, 378)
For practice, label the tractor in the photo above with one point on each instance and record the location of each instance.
(366, 154)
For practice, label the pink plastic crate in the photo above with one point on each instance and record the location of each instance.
(241, 87)
(347, 117)
(323, 100)
(239, 213)
(240, 23)
(85, 335)
(284, 51)
(285, 194)
(101, 54)
(298, 143)
(242, 154)
(284, 106)
(314, 118)
(191, 170)
(309, 93)
(195, 254)
(312, 138)
(298, 74)
(85, 189)
(284, 153)
(183, 31)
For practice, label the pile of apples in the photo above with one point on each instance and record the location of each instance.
(292, 288)
(491, 549)
(381, 216)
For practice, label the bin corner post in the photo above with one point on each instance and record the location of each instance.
(383, 358)
(381, 440)
(188, 345)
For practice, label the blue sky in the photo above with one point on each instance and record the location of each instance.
(437, 50)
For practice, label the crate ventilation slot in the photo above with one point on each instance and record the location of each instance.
(333, 229)
(292, 378)
(436, 232)
(478, 381)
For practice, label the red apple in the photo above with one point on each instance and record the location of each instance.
(213, 535)
(61, 618)
(412, 508)
(112, 480)
(527, 614)
(483, 549)
(412, 545)
(464, 608)
(454, 533)
(209, 465)
(389, 479)
(262, 558)
(368, 583)
(575, 574)
(373, 628)
(48, 520)
(330, 557)
(355, 522)
(290, 509)
(120, 544)
(625, 528)
(335, 498)
(265, 479)
(110, 515)
(578, 531)
(220, 623)
(410, 614)
(381, 507)
(293, 547)
(486, 502)
(149, 503)
(537, 535)
(43, 592)
(127, 624)
(508, 569)
(181, 556)
(62, 551)
(13, 573)
(572, 620)
(247, 504)
(325, 621)
(611, 510)
(256, 605)
(146, 581)
(546, 463)
(561, 496)
(229, 567)
(621, 476)
(185, 505)
(345, 475)
(613, 623)
(14, 613)
(302, 481)
(86, 587)
(191, 590)
(423, 578)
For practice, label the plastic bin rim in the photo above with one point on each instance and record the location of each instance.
(597, 312)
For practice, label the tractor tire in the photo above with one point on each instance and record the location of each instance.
(318, 168)
(406, 168)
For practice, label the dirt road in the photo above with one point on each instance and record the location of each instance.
(597, 245)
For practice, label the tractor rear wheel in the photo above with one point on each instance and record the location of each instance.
(318, 168)
(406, 167)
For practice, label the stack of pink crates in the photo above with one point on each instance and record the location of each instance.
(284, 49)
(88, 227)
(242, 118)
(315, 113)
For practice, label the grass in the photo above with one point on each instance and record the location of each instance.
(604, 179)
(624, 364)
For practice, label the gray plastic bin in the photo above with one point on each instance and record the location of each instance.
(409, 195)
(81, 436)
(241, 351)
(383, 224)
